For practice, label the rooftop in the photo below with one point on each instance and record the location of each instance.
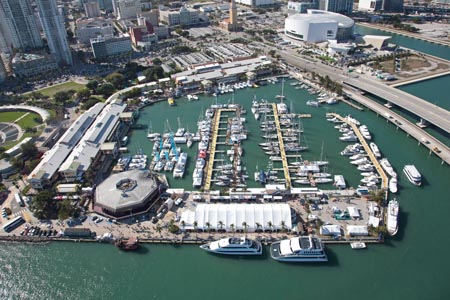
(321, 16)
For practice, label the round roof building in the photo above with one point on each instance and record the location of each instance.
(318, 26)
(126, 193)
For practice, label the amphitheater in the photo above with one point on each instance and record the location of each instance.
(9, 132)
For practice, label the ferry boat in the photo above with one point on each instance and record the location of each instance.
(413, 174)
(127, 245)
(375, 150)
(171, 101)
(393, 210)
(299, 249)
(234, 246)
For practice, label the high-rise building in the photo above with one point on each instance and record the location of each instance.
(337, 6)
(2, 70)
(369, 5)
(18, 25)
(92, 9)
(392, 5)
(55, 31)
(232, 23)
(127, 9)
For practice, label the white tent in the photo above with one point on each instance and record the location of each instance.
(353, 212)
(237, 214)
(334, 230)
(374, 221)
(353, 230)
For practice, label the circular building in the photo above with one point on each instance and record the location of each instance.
(127, 193)
(318, 26)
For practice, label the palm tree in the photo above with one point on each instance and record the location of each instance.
(378, 196)
(258, 226)
(183, 224)
(244, 224)
(158, 229)
(220, 223)
(283, 226)
(232, 227)
(208, 225)
(270, 225)
(195, 225)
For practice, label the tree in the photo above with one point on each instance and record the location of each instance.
(17, 163)
(92, 85)
(378, 196)
(183, 224)
(283, 226)
(158, 229)
(232, 227)
(157, 61)
(106, 89)
(244, 224)
(258, 226)
(154, 73)
(84, 94)
(220, 224)
(270, 225)
(65, 209)
(43, 205)
(116, 79)
(208, 226)
(61, 97)
(29, 150)
(195, 225)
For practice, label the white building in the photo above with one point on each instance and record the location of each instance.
(88, 29)
(235, 216)
(256, 3)
(369, 5)
(185, 16)
(109, 46)
(55, 31)
(318, 26)
(127, 9)
(18, 26)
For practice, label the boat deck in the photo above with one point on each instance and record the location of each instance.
(287, 175)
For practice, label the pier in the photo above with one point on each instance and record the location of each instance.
(362, 140)
(212, 149)
(287, 175)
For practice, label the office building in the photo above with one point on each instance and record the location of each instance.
(18, 25)
(88, 29)
(184, 16)
(369, 5)
(55, 31)
(392, 5)
(110, 46)
(28, 64)
(337, 6)
(92, 9)
(3, 73)
(302, 6)
(256, 3)
(127, 9)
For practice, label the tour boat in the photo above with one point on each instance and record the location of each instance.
(413, 174)
(392, 216)
(234, 246)
(299, 249)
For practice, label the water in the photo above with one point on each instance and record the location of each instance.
(413, 265)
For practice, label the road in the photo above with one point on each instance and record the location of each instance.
(427, 111)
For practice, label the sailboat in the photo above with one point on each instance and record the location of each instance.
(150, 134)
(282, 91)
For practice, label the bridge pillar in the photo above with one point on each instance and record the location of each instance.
(423, 123)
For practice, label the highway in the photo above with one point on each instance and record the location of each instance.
(423, 109)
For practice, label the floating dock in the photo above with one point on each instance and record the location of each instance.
(212, 149)
(362, 140)
(287, 175)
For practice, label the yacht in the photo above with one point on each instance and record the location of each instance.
(234, 246)
(393, 185)
(349, 138)
(393, 210)
(299, 249)
(386, 165)
(358, 245)
(413, 174)
(197, 177)
(375, 150)
(312, 103)
(180, 166)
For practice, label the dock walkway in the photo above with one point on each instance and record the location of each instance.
(362, 140)
(287, 175)
(212, 149)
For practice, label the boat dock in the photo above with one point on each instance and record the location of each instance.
(362, 140)
(212, 149)
(287, 175)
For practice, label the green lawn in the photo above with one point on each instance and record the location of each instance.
(11, 116)
(66, 86)
(27, 121)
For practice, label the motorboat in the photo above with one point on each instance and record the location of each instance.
(386, 165)
(361, 161)
(349, 138)
(413, 174)
(323, 180)
(392, 217)
(366, 167)
(299, 249)
(393, 185)
(180, 166)
(358, 245)
(375, 150)
(312, 103)
(234, 246)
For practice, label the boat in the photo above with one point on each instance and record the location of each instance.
(358, 245)
(312, 103)
(349, 138)
(171, 101)
(413, 174)
(393, 185)
(189, 143)
(386, 165)
(331, 101)
(180, 166)
(375, 149)
(127, 244)
(299, 249)
(194, 97)
(197, 177)
(393, 210)
(234, 246)
(189, 97)
(323, 180)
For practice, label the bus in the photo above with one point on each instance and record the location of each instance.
(19, 199)
(13, 224)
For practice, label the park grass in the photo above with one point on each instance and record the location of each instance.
(11, 116)
(28, 121)
(61, 87)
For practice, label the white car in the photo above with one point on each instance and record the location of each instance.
(178, 201)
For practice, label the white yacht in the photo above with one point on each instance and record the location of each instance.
(299, 249)
(413, 174)
(358, 245)
(386, 165)
(178, 172)
(375, 150)
(393, 185)
(234, 246)
(392, 216)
